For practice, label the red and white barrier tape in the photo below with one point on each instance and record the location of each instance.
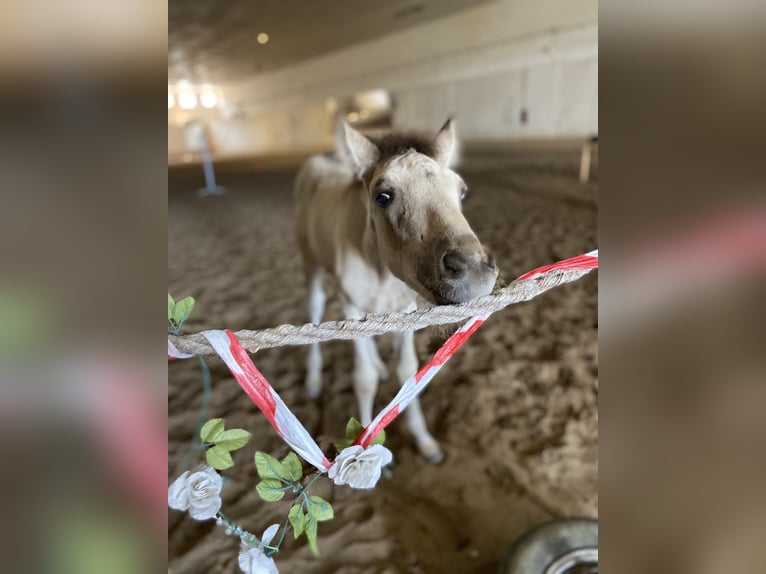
(417, 383)
(266, 398)
(174, 353)
(287, 424)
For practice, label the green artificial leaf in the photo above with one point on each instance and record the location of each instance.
(297, 519)
(268, 466)
(292, 467)
(270, 490)
(211, 430)
(27, 318)
(311, 534)
(380, 439)
(90, 541)
(353, 429)
(183, 309)
(341, 444)
(228, 440)
(219, 458)
(232, 439)
(171, 307)
(319, 509)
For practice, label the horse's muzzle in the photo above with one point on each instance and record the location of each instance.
(463, 273)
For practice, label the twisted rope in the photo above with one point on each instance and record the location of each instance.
(515, 292)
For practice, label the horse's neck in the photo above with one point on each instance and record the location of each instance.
(370, 250)
(370, 286)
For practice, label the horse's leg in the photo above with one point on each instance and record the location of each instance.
(380, 366)
(316, 303)
(406, 367)
(366, 370)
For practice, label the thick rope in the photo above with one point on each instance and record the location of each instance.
(515, 292)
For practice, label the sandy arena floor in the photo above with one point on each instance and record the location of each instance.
(515, 410)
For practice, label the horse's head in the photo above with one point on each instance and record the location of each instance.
(415, 213)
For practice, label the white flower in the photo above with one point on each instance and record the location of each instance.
(252, 560)
(360, 467)
(198, 492)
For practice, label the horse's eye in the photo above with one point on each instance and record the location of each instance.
(384, 198)
(464, 194)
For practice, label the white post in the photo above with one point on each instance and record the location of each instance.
(211, 188)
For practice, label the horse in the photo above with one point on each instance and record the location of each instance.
(383, 216)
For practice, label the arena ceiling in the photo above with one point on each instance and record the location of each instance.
(218, 40)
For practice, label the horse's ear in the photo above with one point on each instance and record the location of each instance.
(356, 146)
(445, 144)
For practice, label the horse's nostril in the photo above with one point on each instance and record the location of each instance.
(453, 264)
(490, 261)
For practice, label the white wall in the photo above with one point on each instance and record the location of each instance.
(304, 129)
(483, 65)
(560, 99)
(307, 128)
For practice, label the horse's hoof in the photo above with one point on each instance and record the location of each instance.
(432, 453)
(435, 457)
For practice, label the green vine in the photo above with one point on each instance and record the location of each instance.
(278, 478)
(178, 312)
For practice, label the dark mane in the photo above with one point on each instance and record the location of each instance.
(394, 144)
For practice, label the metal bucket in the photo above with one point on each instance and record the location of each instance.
(568, 546)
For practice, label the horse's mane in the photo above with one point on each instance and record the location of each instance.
(398, 143)
(390, 144)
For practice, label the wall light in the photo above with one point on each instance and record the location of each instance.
(262, 38)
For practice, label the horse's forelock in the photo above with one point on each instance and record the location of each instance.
(395, 144)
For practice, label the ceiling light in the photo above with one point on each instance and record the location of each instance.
(208, 98)
(262, 38)
(364, 114)
(187, 99)
(353, 117)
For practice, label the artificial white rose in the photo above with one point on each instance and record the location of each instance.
(360, 467)
(178, 493)
(252, 560)
(198, 492)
